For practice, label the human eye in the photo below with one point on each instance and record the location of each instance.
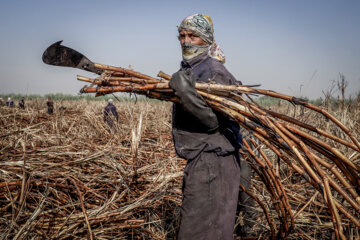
(194, 36)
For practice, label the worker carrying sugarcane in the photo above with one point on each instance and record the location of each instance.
(110, 115)
(208, 140)
(50, 105)
(22, 103)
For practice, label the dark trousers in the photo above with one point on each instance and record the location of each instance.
(246, 203)
(210, 197)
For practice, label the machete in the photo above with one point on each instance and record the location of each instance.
(59, 55)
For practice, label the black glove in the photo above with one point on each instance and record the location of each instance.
(183, 83)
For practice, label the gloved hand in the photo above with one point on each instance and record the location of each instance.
(183, 83)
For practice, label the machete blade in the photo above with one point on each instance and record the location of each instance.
(59, 55)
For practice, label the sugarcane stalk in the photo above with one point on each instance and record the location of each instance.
(284, 207)
(349, 174)
(123, 70)
(304, 125)
(335, 171)
(306, 205)
(83, 209)
(141, 89)
(268, 184)
(129, 79)
(335, 151)
(339, 176)
(272, 229)
(164, 75)
(322, 174)
(276, 179)
(298, 154)
(97, 81)
(334, 212)
(112, 73)
(346, 212)
(262, 136)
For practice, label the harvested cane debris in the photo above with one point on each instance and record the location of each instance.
(44, 157)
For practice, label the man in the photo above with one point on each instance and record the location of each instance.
(10, 102)
(22, 103)
(204, 137)
(50, 105)
(110, 115)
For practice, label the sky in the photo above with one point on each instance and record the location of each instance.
(298, 48)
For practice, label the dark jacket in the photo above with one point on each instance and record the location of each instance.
(110, 109)
(50, 104)
(192, 131)
(22, 103)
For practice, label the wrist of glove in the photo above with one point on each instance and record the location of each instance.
(182, 81)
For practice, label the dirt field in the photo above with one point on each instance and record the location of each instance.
(67, 176)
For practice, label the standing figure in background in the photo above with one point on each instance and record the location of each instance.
(1, 101)
(10, 102)
(22, 103)
(50, 105)
(110, 115)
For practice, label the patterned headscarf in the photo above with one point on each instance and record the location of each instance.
(202, 25)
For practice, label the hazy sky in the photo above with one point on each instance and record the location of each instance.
(286, 46)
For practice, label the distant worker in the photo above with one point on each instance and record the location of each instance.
(10, 102)
(110, 115)
(1, 101)
(50, 105)
(22, 103)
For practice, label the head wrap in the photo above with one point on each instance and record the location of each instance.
(110, 100)
(202, 25)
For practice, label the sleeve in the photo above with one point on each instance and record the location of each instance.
(221, 75)
(183, 84)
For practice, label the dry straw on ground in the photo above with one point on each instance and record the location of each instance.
(66, 176)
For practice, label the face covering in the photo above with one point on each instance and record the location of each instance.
(189, 51)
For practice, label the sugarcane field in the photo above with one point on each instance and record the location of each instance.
(188, 120)
(68, 175)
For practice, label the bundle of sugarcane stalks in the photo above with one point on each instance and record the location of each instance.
(308, 150)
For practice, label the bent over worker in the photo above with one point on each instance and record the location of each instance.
(208, 140)
(10, 102)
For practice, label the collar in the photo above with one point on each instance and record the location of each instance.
(195, 61)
